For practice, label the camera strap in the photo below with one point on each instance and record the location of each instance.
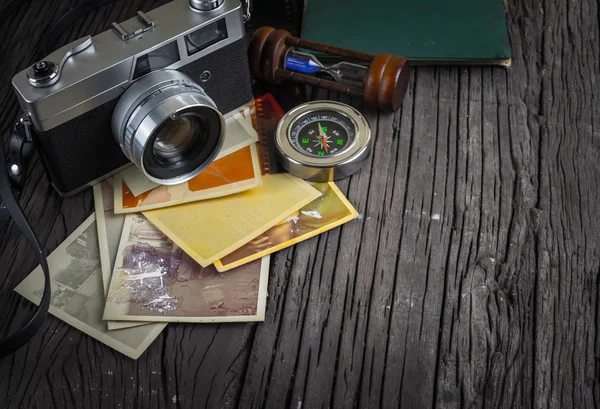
(9, 207)
(247, 5)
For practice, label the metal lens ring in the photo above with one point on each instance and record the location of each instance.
(167, 125)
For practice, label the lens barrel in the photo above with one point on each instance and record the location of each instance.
(167, 125)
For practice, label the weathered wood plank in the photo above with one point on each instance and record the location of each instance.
(567, 231)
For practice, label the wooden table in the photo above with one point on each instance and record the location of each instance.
(470, 279)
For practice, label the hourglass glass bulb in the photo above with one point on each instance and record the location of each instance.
(344, 72)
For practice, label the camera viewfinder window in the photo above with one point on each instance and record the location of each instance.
(206, 36)
(155, 60)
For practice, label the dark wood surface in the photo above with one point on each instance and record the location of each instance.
(470, 279)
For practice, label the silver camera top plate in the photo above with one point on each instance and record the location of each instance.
(101, 72)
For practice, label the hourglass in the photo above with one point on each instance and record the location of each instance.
(380, 80)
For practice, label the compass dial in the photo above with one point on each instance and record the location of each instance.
(322, 133)
(321, 141)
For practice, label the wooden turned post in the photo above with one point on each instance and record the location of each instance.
(384, 85)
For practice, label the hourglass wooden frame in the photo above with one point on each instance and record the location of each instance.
(384, 85)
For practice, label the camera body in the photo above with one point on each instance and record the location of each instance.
(71, 95)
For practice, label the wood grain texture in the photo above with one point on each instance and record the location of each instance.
(469, 280)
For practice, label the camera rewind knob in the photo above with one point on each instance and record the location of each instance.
(45, 73)
(42, 73)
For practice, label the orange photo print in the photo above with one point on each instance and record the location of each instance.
(234, 173)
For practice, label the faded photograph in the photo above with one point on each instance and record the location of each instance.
(239, 132)
(209, 230)
(157, 280)
(110, 227)
(329, 210)
(84, 260)
(109, 223)
(78, 295)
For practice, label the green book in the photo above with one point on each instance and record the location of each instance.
(426, 32)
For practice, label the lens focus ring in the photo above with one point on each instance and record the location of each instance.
(127, 141)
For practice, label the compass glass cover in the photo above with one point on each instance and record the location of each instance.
(322, 133)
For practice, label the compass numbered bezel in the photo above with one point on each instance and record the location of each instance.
(296, 129)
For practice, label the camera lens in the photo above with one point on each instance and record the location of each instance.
(183, 146)
(177, 138)
(168, 127)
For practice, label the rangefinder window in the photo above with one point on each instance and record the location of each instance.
(206, 36)
(155, 60)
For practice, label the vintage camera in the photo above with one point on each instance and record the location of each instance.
(158, 83)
